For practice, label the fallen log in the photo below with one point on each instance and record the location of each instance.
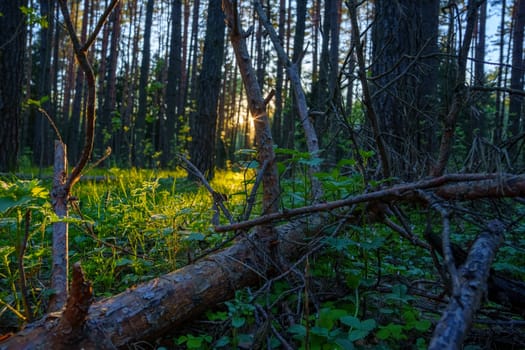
(152, 308)
(459, 314)
(502, 290)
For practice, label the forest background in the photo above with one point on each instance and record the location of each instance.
(157, 94)
(396, 91)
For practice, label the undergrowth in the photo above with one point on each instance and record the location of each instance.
(360, 286)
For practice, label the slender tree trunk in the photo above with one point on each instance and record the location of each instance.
(75, 131)
(321, 92)
(498, 130)
(12, 54)
(257, 107)
(110, 93)
(518, 68)
(173, 115)
(59, 200)
(277, 128)
(142, 136)
(203, 123)
(458, 97)
(478, 122)
(42, 136)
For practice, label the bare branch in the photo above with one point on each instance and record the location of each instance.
(451, 186)
(457, 318)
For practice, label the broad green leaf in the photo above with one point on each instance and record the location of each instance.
(238, 322)
(297, 329)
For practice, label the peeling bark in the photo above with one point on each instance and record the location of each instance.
(59, 199)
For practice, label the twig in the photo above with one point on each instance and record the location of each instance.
(216, 196)
(284, 343)
(21, 269)
(445, 237)
(51, 122)
(405, 233)
(251, 198)
(99, 25)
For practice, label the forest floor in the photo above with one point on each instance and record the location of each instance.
(358, 285)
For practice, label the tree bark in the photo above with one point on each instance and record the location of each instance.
(518, 67)
(150, 309)
(12, 52)
(142, 136)
(203, 123)
(457, 318)
(59, 200)
(173, 91)
(405, 88)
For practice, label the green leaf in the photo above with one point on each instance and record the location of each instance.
(327, 316)
(124, 262)
(391, 330)
(368, 324)
(196, 236)
(222, 341)
(320, 331)
(238, 322)
(357, 334)
(351, 321)
(345, 344)
(423, 325)
(298, 330)
(194, 342)
(217, 316)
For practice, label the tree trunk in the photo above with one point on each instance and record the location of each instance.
(75, 131)
(257, 107)
(312, 142)
(518, 68)
(458, 96)
(12, 53)
(42, 144)
(405, 87)
(277, 125)
(59, 200)
(173, 85)
(203, 123)
(142, 136)
(110, 94)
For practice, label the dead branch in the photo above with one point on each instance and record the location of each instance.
(502, 290)
(457, 318)
(217, 198)
(448, 187)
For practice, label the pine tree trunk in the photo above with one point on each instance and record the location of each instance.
(12, 53)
